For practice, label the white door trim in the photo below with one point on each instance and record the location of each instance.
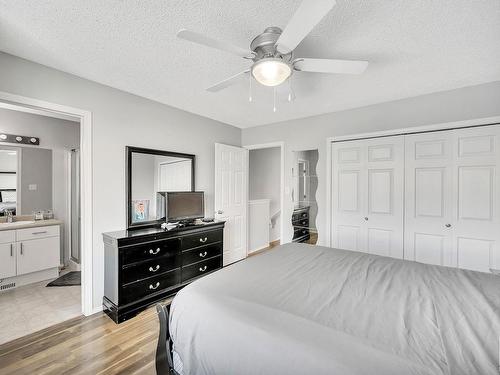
(385, 133)
(86, 186)
(281, 145)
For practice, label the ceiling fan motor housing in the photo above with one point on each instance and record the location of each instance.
(264, 45)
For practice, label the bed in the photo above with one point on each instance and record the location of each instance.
(302, 309)
(8, 201)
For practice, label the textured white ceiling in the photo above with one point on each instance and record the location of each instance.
(414, 47)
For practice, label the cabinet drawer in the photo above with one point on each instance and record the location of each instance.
(300, 215)
(135, 291)
(37, 232)
(143, 270)
(300, 232)
(201, 253)
(201, 268)
(148, 251)
(7, 236)
(201, 239)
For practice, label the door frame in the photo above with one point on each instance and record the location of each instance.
(86, 184)
(485, 121)
(261, 146)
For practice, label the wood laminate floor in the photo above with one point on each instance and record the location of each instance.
(86, 345)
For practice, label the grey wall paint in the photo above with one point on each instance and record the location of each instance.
(120, 119)
(59, 136)
(310, 133)
(36, 168)
(264, 181)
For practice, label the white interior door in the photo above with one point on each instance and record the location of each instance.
(368, 183)
(231, 199)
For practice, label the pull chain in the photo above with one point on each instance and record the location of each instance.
(291, 94)
(274, 99)
(250, 88)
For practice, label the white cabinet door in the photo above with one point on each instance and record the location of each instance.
(7, 260)
(37, 255)
(429, 197)
(368, 187)
(231, 199)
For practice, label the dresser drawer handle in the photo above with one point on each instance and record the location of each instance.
(155, 286)
(203, 240)
(154, 252)
(203, 255)
(304, 215)
(203, 269)
(304, 222)
(157, 267)
(42, 232)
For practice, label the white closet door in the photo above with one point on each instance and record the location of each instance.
(368, 186)
(385, 188)
(476, 195)
(348, 198)
(429, 198)
(452, 198)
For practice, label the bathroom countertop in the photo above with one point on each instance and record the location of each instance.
(27, 223)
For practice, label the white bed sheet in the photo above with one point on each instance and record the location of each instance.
(303, 309)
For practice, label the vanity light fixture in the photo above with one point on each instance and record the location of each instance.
(23, 139)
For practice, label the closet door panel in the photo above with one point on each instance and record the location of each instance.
(428, 197)
(385, 188)
(476, 188)
(348, 202)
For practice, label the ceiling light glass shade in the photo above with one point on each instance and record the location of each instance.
(271, 72)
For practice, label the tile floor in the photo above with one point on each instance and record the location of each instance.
(32, 307)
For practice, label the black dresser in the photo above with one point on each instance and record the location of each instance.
(146, 265)
(300, 222)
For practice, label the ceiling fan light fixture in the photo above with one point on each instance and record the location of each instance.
(271, 71)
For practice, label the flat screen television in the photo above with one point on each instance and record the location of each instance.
(185, 205)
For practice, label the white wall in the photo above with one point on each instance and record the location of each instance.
(311, 133)
(265, 181)
(120, 119)
(56, 135)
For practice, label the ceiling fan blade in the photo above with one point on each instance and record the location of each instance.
(330, 66)
(195, 37)
(309, 13)
(228, 82)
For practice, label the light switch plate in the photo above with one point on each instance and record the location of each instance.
(32, 187)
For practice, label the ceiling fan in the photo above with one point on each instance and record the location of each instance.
(272, 51)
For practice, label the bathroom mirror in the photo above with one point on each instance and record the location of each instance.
(25, 180)
(305, 185)
(151, 173)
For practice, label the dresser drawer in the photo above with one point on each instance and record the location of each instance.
(37, 232)
(300, 232)
(150, 268)
(152, 250)
(201, 239)
(201, 253)
(201, 268)
(301, 223)
(300, 215)
(7, 236)
(135, 291)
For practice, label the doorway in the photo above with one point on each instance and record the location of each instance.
(83, 120)
(265, 193)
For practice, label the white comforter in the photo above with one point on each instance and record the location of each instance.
(301, 309)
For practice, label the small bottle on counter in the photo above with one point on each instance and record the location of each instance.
(38, 215)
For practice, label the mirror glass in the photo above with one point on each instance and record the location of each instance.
(304, 188)
(152, 173)
(25, 180)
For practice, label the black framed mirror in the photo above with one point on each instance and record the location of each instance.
(149, 174)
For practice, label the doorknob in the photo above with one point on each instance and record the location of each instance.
(220, 212)
(366, 219)
(448, 225)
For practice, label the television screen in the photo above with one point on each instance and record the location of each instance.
(185, 205)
